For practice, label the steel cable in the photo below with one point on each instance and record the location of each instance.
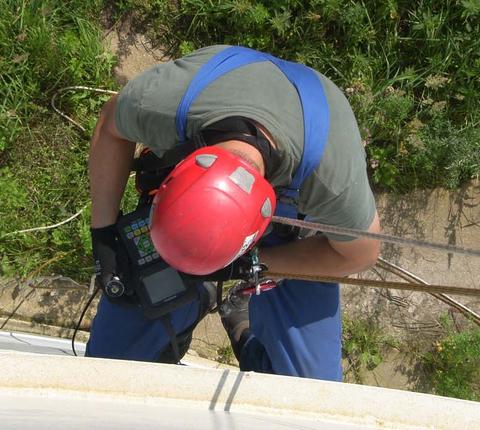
(325, 228)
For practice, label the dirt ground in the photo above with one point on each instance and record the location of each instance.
(444, 216)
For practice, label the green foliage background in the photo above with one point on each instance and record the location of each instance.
(454, 365)
(46, 45)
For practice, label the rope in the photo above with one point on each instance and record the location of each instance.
(408, 276)
(74, 88)
(325, 228)
(47, 227)
(378, 284)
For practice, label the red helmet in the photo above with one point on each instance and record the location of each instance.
(211, 209)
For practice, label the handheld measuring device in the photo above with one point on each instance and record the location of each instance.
(159, 287)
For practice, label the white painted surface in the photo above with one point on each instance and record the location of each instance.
(23, 342)
(41, 392)
(53, 411)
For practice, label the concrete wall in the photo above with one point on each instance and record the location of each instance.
(438, 215)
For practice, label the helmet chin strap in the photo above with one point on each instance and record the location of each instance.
(245, 130)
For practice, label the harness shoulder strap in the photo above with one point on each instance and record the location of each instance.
(316, 116)
(220, 64)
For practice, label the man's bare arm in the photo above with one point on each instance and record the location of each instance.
(109, 164)
(317, 255)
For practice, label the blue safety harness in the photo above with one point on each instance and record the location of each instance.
(286, 322)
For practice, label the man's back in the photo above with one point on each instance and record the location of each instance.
(337, 193)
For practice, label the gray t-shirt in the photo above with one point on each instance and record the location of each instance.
(336, 193)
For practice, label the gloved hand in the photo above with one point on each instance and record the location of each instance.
(105, 255)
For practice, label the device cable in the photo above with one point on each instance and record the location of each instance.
(89, 302)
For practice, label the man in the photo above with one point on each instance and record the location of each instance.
(286, 122)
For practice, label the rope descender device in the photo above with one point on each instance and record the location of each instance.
(256, 284)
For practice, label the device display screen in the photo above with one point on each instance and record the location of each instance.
(163, 284)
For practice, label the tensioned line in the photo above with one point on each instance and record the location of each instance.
(325, 228)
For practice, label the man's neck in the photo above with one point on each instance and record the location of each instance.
(247, 152)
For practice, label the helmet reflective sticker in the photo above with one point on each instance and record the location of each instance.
(243, 179)
(205, 160)
(267, 208)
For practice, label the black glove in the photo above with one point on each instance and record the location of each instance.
(110, 260)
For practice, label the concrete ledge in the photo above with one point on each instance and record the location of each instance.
(233, 391)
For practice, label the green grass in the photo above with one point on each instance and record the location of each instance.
(363, 346)
(46, 45)
(225, 355)
(43, 194)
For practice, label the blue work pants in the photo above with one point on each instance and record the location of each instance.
(296, 331)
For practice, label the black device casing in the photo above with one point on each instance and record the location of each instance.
(146, 265)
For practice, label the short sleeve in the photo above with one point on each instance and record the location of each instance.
(127, 112)
(354, 207)
(147, 105)
(338, 192)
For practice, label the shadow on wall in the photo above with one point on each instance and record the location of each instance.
(463, 214)
(45, 305)
(435, 215)
(445, 216)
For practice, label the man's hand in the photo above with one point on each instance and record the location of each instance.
(104, 246)
(112, 266)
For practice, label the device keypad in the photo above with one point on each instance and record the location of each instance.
(138, 232)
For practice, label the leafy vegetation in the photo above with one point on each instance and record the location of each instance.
(454, 365)
(46, 45)
(409, 69)
(225, 355)
(363, 346)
